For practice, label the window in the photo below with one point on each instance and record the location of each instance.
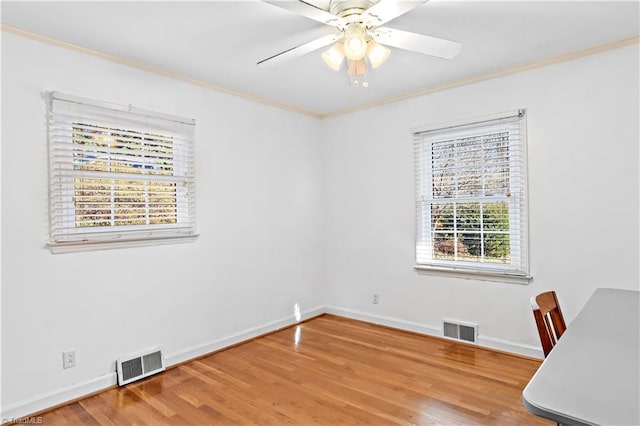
(471, 197)
(118, 175)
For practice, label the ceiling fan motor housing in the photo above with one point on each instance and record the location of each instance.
(350, 10)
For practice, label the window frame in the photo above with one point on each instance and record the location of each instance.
(162, 144)
(517, 198)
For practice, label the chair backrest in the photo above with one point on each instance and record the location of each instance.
(549, 319)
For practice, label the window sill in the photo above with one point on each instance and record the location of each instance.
(74, 247)
(497, 276)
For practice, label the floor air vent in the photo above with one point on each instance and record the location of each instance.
(460, 331)
(135, 367)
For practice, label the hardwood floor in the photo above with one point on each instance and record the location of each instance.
(329, 371)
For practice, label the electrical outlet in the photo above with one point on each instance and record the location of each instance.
(68, 359)
(376, 298)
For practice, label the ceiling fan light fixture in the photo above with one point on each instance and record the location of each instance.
(357, 25)
(334, 56)
(357, 68)
(377, 53)
(355, 46)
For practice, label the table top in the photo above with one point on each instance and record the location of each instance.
(592, 375)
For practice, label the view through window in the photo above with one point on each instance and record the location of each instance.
(139, 199)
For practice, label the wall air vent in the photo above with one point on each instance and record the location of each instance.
(460, 330)
(137, 366)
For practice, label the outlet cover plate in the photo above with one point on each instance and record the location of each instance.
(68, 359)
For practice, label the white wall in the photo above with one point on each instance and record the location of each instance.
(583, 180)
(259, 214)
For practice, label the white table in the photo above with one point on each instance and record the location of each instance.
(592, 375)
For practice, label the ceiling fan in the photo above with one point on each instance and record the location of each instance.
(359, 35)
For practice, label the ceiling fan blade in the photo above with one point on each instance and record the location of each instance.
(310, 11)
(301, 50)
(386, 10)
(427, 45)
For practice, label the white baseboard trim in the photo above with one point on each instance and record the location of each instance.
(57, 397)
(429, 330)
(200, 350)
(384, 320)
(78, 390)
(507, 346)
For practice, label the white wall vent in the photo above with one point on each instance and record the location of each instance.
(458, 330)
(139, 365)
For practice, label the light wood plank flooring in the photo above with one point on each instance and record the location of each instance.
(328, 371)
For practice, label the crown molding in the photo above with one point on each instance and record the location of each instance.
(501, 73)
(149, 68)
(424, 91)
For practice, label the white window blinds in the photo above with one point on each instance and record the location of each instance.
(118, 174)
(471, 196)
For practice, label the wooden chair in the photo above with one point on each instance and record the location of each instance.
(549, 319)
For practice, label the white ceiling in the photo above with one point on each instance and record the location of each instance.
(220, 42)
